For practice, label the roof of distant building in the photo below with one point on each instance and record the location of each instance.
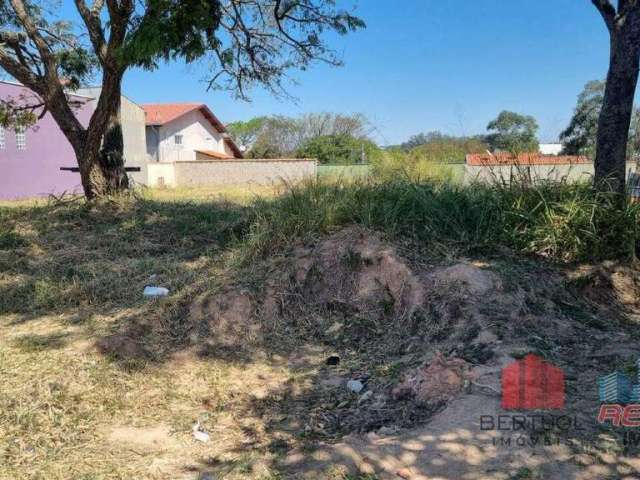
(159, 114)
(482, 159)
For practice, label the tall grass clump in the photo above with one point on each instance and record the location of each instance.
(416, 167)
(565, 222)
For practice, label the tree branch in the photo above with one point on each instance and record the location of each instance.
(31, 29)
(608, 12)
(91, 18)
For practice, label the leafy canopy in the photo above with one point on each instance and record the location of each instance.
(513, 133)
(244, 42)
(580, 136)
(338, 150)
(280, 136)
(247, 42)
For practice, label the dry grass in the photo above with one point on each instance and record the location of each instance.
(72, 273)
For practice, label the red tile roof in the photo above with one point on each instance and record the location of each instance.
(163, 113)
(158, 114)
(482, 159)
(215, 155)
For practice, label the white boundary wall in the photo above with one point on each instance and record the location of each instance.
(576, 172)
(230, 172)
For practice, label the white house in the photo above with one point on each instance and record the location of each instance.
(183, 132)
(550, 148)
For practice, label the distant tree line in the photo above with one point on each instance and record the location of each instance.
(509, 132)
(345, 139)
(328, 137)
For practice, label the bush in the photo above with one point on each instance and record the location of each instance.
(395, 164)
(339, 150)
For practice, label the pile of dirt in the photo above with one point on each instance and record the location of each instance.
(438, 381)
(349, 290)
(612, 285)
(423, 339)
(387, 316)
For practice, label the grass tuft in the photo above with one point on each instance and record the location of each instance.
(564, 222)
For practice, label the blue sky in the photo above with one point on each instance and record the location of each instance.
(422, 65)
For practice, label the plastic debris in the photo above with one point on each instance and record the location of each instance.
(356, 386)
(199, 434)
(155, 292)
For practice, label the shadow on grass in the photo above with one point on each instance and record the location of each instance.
(75, 257)
(37, 343)
(89, 263)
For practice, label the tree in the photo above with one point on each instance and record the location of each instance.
(513, 133)
(280, 136)
(248, 42)
(438, 147)
(246, 133)
(580, 137)
(623, 24)
(338, 149)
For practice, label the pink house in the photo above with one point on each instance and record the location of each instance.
(30, 159)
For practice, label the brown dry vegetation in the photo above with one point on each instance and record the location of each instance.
(98, 382)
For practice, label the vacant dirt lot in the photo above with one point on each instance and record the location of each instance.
(343, 356)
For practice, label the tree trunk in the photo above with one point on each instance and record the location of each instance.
(101, 153)
(112, 155)
(617, 108)
(101, 163)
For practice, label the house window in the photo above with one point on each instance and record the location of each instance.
(178, 139)
(2, 144)
(21, 138)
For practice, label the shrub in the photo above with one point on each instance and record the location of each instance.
(338, 150)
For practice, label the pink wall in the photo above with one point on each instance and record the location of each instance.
(36, 171)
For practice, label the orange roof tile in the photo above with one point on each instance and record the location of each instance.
(163, 113)
(216, 155)
(482, 159)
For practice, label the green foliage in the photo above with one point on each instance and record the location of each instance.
(513, 133)
(579, 138)
(247, 43)
(559, 221)
(246, 133)
(338, 150)
(279, 136)
(433, 155)
(16, 114)
(396, 164)
(440, 147)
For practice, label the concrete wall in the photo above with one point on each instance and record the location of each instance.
(572, 173)
(35, 171)
(161, 175)
(197, 134)
(230, 172)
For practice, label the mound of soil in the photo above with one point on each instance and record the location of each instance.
(416, 335)
(610, 285)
